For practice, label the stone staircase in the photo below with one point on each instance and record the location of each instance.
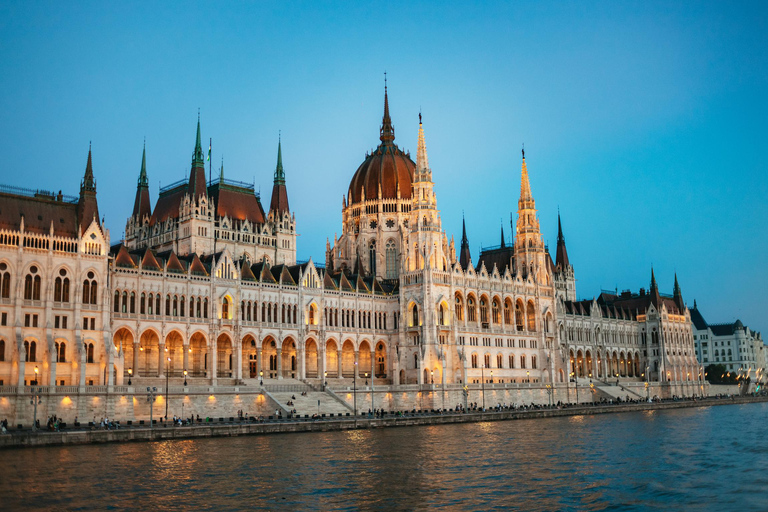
(611, 391)
(307, 405)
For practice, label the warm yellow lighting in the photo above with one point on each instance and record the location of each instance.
(66, 401)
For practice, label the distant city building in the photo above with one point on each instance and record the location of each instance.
(206, 285)
(735, 346)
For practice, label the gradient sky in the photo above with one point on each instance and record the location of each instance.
(645, 123)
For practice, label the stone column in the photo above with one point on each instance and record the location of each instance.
(357, 363)
(239, 361)
(303, 363)
(258, 362)
(160, 359)
(321, 363)
(338, 361)
(214, 364)
(136, 351)
(279, 350)
(373, 366)
(52, 370)
(185, 348)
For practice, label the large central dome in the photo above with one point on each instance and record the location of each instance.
(387, 167)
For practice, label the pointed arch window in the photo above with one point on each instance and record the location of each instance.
(459, 309)
(2, 350)
(5, 281)
(372, 256)
(391, 260)
(30, 347)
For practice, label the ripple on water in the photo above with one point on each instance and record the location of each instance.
(660, 460)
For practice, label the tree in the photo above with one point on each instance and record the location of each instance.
(719, 374)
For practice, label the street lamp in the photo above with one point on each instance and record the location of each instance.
(37, 370)
(130, 374)
(528, 377)
(482, 380)
(36, 400)
(432, 377)
(366, 378)
(549, 395)
(167, 377)
(325, 380)
(261, 378)
(151, 397)
(354, 390)
(185, 381)
(491, 376)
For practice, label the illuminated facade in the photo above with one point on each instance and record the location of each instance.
(206, 288)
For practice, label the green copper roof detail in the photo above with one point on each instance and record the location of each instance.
(197, 156)
(279, 172)
(143, 180)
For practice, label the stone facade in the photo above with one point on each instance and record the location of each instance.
(205, 293)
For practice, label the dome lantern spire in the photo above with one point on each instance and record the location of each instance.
(387, 135)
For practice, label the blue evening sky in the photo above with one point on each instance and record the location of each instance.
(644, 122)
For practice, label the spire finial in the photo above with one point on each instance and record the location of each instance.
(221, 172)
(279, 172)
(523, 150)
(387, 134)
(197, 156)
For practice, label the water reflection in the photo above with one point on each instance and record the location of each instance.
(682, 459)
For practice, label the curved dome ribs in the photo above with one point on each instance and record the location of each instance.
(387, 168)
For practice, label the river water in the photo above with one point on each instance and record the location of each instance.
(709, 458)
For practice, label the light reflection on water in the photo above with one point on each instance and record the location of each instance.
(703, 459)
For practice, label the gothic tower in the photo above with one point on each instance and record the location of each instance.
(529, 247)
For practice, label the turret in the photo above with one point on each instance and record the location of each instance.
(142, 208)
(279, 203)
(87, 207)
(465, 259)
(197, 186)
(677, 294)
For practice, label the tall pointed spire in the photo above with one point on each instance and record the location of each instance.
(526, 198)
(422, 162)
(464, 257)
(387, 135)
(197, 186)
(221, 172)
(654, 292)
(87, 207)
(197, 156)
(503, 245)
(279, 172)
(561, 257)
(143, 180)
(677, 294)
(141, 206)
(88, 182)
(279, 202)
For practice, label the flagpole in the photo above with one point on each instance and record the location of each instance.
(210, 174)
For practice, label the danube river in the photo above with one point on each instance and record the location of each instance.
(709, 458)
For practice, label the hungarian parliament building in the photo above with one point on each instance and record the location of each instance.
(206, 287)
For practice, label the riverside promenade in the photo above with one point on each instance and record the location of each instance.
(228, 427)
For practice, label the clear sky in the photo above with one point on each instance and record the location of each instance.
(645, 123)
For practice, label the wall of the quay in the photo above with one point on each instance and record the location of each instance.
(125, 403)
(146, 434)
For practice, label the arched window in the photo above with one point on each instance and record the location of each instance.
(89, 289)
(225, 308)
(32, 284)
(312, 315)
(133, 302)
(511, 360)
(499, 361)
(531, 318)
(64, 287)
(182, 304)
(167, 305)
(483, 310)
(519, 316)
(415, 315)
(205, 308)
(440, 315)
(2, 350)
(5, 281)
(157, 304)
(57, 290)
(487, 360)
(61, 352)
(124, 306)
(496, 311)
(522, 362)
(150, 304)
(116, 305)
(471, 313)
(459, 309)
(507, 313)
(372, 256)
(30, 347)
(143, 303)
(175, 305)
(391, 260)
(89, 352)
(474, 360)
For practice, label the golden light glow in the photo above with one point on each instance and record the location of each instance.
(66, 401)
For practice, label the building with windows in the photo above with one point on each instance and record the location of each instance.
(205, 289)
(734, 345)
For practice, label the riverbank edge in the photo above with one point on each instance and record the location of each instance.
(79, 437)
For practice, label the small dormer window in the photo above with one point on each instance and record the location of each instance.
(93, 236)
